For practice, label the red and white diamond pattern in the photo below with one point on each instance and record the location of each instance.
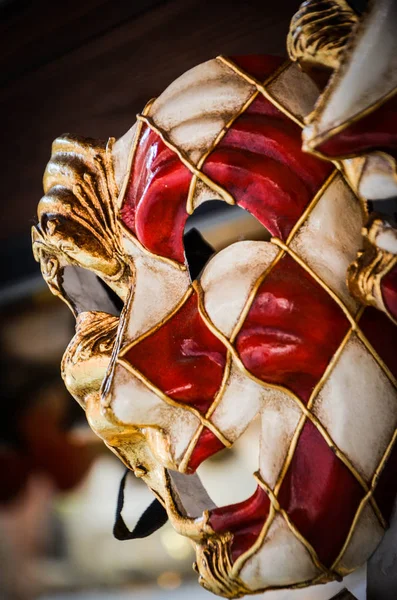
(269, 328)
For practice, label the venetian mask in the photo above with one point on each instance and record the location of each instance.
(266, 330)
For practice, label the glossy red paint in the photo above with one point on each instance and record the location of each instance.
(154, 207)
(244, 519)
(375, 131)
(261, 163)
(259, 66)
(207, 445)
(320, 494)
(183, 358)
(389, 292)
(292, 330)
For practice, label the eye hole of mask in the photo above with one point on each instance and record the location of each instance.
(213, 226)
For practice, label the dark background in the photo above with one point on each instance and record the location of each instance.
(87, 67)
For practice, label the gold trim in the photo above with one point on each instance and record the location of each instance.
(372, 264)
(312, 205)
(189, 450)
(336, 129)
(227, 197)
(260, 87)
(317, 278)
(153, 388)
(290, 453)
(156, 327)
(243, 558)
(140, 246)
(305, 409)
(272, 497)
(318, 34)
(352, 529)
(356, 193)
(367, 498)
(231, 348)
(313, 554)
(219, 394)
(376, 357)
(203, 158)
(319, 579)
(252, 295)
(379, 469)
(131, 155)
(357, 330)
(224, 131)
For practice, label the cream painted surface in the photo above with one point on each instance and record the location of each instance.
(375, 55)
(282, 560)
(134, 403)
(279, 418)
(295, 90)
(240, 403)
(358, 407)
(121, 152)
(372, 176)
(195, 107)
(158, 287)
(229, 277)
(367, 535)
(328, 241)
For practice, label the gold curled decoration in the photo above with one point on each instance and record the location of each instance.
(127, 347)
(319, 31)
(372, 264)
(86, 358)
(261, 87)
(227, 197)
(80, 193)
(215, 568)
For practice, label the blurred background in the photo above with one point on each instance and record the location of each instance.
(88, 66)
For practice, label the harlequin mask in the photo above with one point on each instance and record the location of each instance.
(267, 330)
